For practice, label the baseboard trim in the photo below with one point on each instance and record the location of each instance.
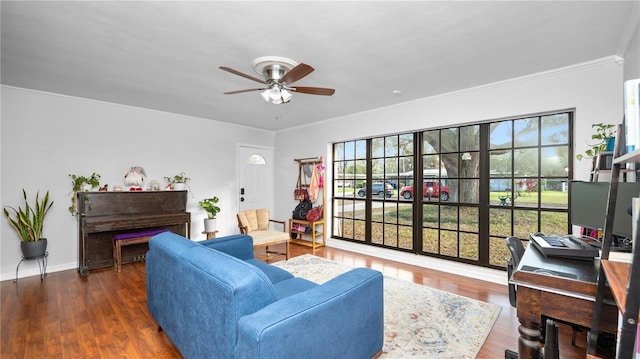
(467, 270)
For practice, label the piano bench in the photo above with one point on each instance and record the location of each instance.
(129, 238)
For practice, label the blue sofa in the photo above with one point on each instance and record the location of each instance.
(214, 300)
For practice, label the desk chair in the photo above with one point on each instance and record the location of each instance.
(517, 251)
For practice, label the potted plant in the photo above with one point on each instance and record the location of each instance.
(81, 184)
(28, 223)
(179, 181)
(605, 137)
(209, 205)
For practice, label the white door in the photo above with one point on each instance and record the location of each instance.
(255, 177)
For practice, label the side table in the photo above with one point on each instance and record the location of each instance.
(210, 235)
(42, 263)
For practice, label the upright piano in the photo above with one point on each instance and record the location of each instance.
(104, 214)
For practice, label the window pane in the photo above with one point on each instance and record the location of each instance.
(555, 129)
(554, 222)
(525, 223)
(500, 222)
(361, 149)
(525, 162)
(469, 191)
(431, 142)
(391, 146)
(500, 163)
(449, 243)
(469, 246)
(449, 217)
(430, 240)
(470, 138)
(377, 147)
(338, 151)
(500, 136)
(349, 150)
(406, 145)
(555, 161)
(526, 132)
(469, 219)
(449, 140)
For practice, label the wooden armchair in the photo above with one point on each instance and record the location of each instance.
(257, 224)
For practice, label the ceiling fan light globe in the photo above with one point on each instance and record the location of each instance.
(266, 95)
(275, 94)
(286, 95)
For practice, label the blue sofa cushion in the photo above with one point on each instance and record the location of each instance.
(241, 246)
(289, 287)
(275, 274)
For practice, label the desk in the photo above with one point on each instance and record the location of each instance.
(559, 288)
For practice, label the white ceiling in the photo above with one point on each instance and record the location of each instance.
(165, 55)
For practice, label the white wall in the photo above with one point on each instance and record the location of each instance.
(46, 137)
(594, 89)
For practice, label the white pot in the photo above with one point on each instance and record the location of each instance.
(179, 186)
(209, 225)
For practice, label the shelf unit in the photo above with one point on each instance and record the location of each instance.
(318, 230)
(622, 278)
(601, 165)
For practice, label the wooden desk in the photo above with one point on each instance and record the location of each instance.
(558, 288)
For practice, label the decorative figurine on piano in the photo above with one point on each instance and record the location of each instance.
(134, 178)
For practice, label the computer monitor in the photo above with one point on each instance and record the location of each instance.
(589, 205)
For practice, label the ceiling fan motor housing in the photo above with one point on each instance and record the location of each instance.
(273, 68)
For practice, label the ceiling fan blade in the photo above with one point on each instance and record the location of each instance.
(296, 73)
(314, 90)
(236, 72)
(241, 91)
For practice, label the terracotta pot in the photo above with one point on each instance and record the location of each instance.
(34, 249)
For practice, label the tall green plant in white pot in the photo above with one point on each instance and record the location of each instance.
(209, 205)
(29, 224)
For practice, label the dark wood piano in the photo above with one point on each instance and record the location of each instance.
(103, 214)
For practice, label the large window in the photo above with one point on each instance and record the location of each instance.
(455, 192)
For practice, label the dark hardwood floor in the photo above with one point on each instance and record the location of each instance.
(105, 315)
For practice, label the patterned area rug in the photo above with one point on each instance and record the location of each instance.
(419, 321)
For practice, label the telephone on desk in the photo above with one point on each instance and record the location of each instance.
(565, 246)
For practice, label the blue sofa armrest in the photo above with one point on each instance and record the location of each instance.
(342, 318)
(237, 245)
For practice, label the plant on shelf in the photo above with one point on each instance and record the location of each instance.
(179, 181)
(210, 205)
(605, 133)
(29, 223)
(81, 184)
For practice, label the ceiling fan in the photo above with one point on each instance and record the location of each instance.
(279, 75)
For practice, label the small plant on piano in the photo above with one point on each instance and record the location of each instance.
(179, 181)
(179, 178)
(79, 184)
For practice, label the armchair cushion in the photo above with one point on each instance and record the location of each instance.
(254, 219)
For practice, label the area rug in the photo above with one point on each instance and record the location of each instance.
(419, 321)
